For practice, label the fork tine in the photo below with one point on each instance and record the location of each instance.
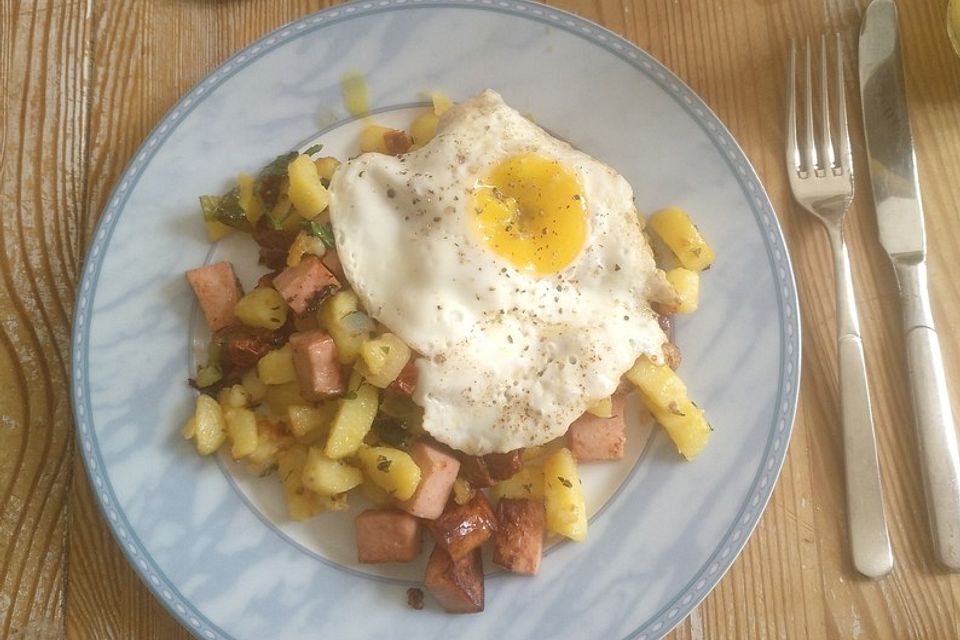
(846, 158)
(810, 161)
(826, 143)
(793, 151)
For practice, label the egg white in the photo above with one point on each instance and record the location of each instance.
(509, 358)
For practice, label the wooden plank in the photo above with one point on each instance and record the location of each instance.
(43, 57)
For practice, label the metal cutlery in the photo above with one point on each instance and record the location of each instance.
(896, 194)
(821, 178)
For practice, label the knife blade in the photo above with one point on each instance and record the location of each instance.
(896, 196)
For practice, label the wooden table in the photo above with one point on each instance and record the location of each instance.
(84, 81)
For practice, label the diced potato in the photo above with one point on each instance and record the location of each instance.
(658, 383)
(602, 408)
(189, 428)
(687, 285)
(526, 484)
(304, 244)
(382, 359)
(392, 469)
(208, 376)
(532, 453)
(263, 307)
(331, 316)
(279, 397)
(328, 477)
(210, 428)
(304, 419)
(326, 167)
(271, 439)
(424, 128)
(235, 397)
(463, 491)
(441, 102)
(216, 229)
(302, 503)
(254, 386)
(371, 139)
(242, 429)
(353, 420)
(566, 510)
(686, 425)
(250, 204)
(307, 193)
(276, 367)
(679, 233)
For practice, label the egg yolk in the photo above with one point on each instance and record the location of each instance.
(530, 210)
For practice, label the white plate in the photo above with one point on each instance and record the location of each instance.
(212, 545)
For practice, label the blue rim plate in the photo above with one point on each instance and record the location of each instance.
(669, 531)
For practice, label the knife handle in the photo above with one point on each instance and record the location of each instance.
(936, 431)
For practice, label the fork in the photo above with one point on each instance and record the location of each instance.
(823, 184)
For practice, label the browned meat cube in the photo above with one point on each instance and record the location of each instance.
(406, 382)
(438, 470)
(464, 527)
(331, 260)
(387, 535)
(397, 142)
(504, 465)
(305, 285)
(317, 366)
(518, 543)
(217, 291)
(474, 469)
(456, 584)
(591, 438)
(486, 471)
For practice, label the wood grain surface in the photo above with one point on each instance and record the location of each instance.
(82, 83)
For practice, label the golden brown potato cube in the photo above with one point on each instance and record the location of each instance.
(679, 233)
(210, 427)
(686, 425)
(277, 366)
(424, 128)
(249, 203)
(382, 359)
(658, 383)
(242, 429)
(263, 307)
(307, 193)
(303, 419)
(392, 469)
(525, 484)
(279, 397)
(333, 318)
(602, 408)
(328, 477)
(254, 386)
(354, 417)
(566, 509)
(326, 167)
(371, 139)
(687, 285)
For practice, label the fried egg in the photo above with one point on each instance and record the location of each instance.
(512, 263)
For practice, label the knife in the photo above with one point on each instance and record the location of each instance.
(896, 196)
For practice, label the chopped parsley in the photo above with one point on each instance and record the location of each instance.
(314, 149)
(565, 482)
(317, 230)
(383, 463)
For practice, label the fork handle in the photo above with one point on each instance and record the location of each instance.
(869, 539)
(936, 432)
